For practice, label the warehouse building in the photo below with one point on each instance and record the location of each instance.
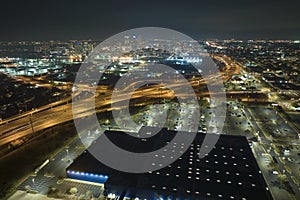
(229, 171)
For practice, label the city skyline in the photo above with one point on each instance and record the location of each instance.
(256, 101)
(150, 100)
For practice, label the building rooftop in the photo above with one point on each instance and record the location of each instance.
(229, 171)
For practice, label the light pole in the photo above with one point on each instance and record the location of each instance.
(31, 124)
(68, 156)
(33, 183)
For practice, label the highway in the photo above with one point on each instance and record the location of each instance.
(49, 115)
(59, 112)
(55, 113)
(62, 111)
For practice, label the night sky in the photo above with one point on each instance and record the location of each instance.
(99, 19)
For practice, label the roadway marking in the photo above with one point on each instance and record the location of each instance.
(83, 182)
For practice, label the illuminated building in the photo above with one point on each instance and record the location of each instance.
(229, 171)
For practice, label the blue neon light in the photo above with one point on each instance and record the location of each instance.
(85, 176)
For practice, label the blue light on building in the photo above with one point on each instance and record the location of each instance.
(85, 176)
